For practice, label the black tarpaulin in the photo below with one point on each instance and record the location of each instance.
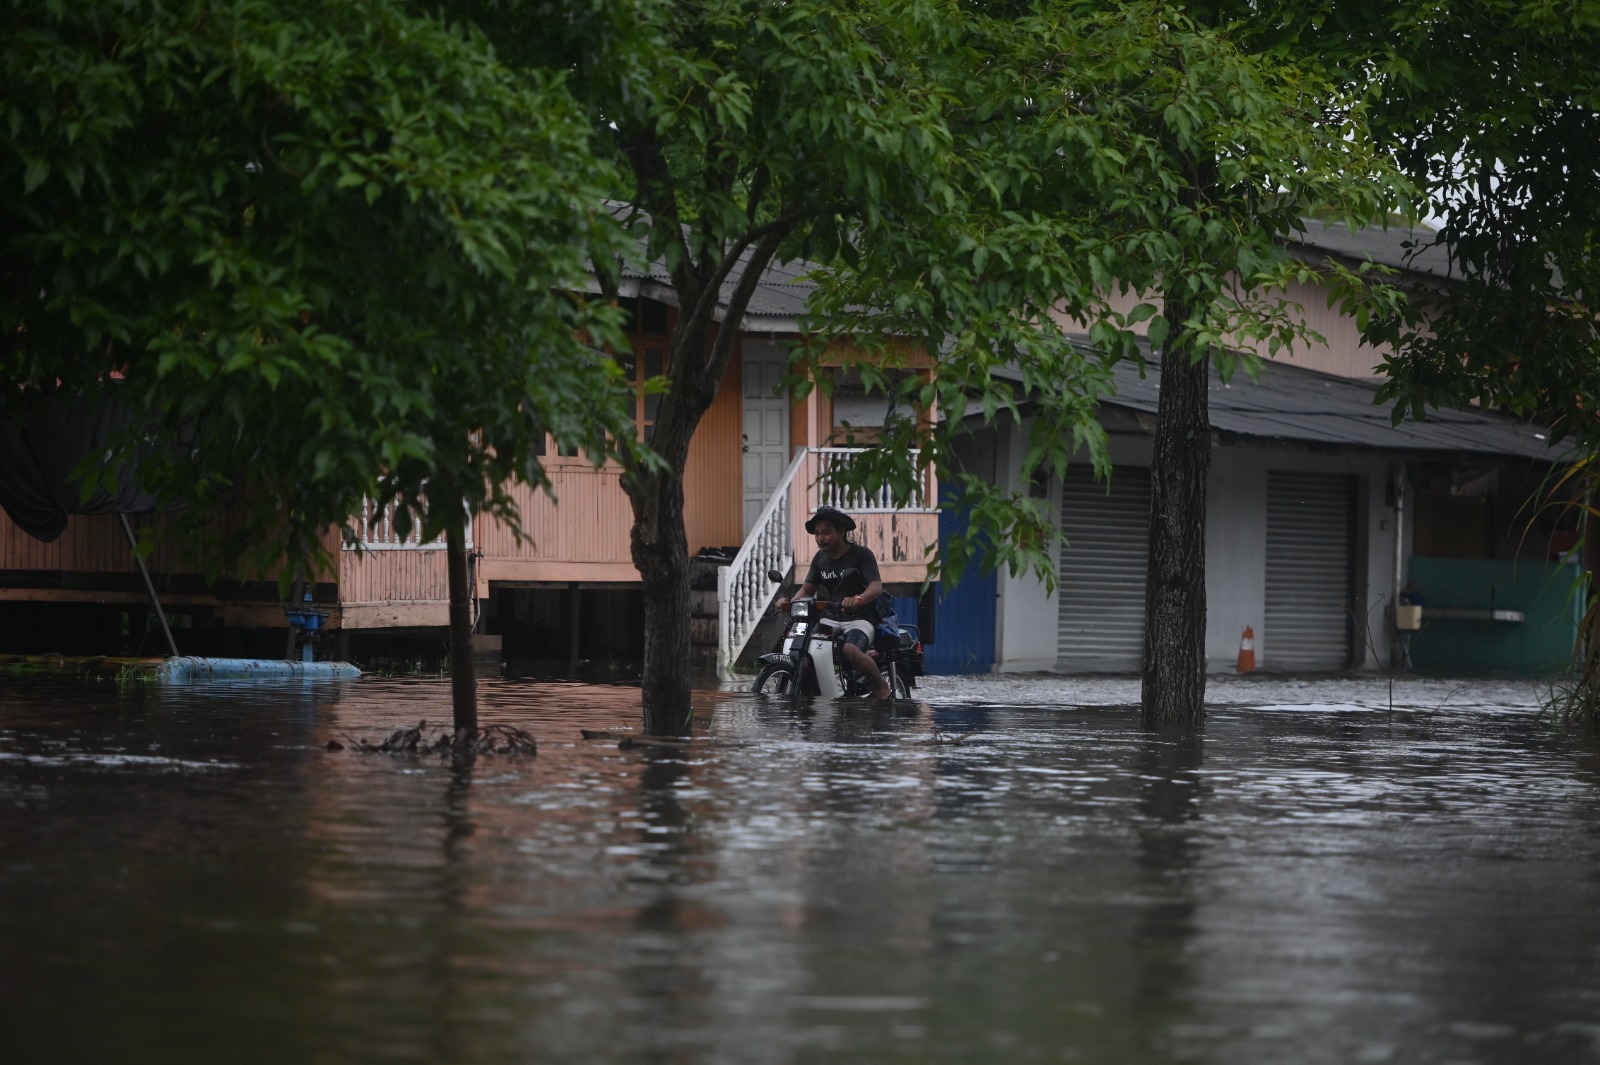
(38, 458)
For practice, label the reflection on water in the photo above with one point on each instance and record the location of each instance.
(190, 874)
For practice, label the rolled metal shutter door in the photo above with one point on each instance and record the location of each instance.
(1307, 624)
(1101, 621)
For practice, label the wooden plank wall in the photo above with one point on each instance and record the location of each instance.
(96, 543)
(583, 534)
(406, 574)
(713, 477)
(898, 539)
(87, 546)
(587, 522)
(93, 559)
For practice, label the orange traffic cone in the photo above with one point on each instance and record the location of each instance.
(1247, 651)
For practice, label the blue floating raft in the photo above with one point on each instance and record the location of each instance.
(188, 668)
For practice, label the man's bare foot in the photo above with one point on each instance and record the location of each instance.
(881, 691)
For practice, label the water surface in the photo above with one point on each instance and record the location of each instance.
(1009, 871)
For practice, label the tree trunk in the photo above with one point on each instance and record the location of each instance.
(463, 670)
(1174, 686)
(698, 358)
(661, 553)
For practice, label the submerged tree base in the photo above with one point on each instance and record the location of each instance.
(490, 739)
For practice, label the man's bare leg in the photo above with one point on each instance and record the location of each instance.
(867, 668)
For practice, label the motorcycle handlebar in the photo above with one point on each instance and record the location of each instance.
(820, 604)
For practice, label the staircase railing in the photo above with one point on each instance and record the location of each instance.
(743, 590)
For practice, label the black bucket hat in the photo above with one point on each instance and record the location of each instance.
(833, 516)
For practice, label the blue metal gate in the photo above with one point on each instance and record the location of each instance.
(965, 622)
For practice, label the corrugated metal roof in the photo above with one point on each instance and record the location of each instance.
(1398, 246)
(1291, 405)
(776, 306)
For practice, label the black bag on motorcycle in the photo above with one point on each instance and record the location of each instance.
(910, 653)
(886, 633)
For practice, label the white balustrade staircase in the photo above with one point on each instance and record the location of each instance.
(744, 591)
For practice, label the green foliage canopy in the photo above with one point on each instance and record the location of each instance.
(331, 247)
(1100, 151)
(969, 174)
(1493, 106)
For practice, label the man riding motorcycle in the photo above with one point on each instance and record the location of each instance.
(848, 575)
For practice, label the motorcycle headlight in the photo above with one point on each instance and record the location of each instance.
(800, 609)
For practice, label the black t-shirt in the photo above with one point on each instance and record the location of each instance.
(849, 574)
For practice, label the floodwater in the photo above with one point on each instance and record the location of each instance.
(1008, 871)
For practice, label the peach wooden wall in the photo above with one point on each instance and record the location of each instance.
(96, 543)
(899, 539)
(812, 421)
(582, 534)
(395, 581)
(399, 574)
(713, 498)
(85, 546)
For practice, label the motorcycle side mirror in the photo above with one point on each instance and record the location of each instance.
(774, 576)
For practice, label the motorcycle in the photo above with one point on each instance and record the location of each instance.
(809, 661)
